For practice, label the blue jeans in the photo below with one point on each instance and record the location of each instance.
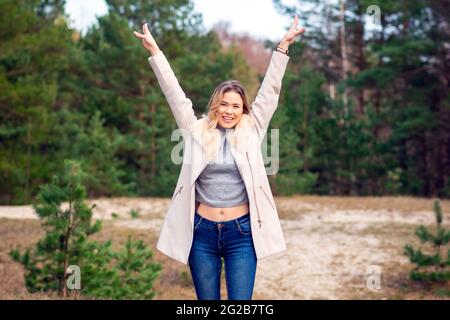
(231, 240)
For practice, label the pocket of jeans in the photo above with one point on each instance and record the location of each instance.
(244, 228)
(197, 222)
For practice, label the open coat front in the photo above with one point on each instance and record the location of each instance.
(201, 145)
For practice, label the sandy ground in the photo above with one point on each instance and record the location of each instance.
(332, 242)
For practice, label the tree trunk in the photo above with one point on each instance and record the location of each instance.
(62, 284)
(361, 59)
(154, 146)
(345, 65)
(305, 132)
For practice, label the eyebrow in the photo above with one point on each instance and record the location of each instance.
(237, 104)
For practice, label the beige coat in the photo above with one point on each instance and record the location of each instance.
(201, 147)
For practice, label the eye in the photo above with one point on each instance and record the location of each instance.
(236, 107)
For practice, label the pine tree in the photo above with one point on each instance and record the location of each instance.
(128, 273)
(34, 42)
(89, 141)
(397, 90)
(431, 266)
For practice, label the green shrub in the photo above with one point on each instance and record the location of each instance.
(134, 213)
(104, 273)
(434, 265)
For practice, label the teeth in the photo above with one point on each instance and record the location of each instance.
(228, 118)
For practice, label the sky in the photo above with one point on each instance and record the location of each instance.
(256, 17)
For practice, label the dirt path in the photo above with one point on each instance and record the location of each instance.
(329, 249)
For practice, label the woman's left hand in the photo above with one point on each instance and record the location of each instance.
(292, 34)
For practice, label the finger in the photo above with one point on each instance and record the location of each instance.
(146, 31)
(294, 25)
(137, 34)
(301, 30)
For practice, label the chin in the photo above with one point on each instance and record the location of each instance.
(227, 125)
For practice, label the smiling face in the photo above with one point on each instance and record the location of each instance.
(227, 105)
(230, 110)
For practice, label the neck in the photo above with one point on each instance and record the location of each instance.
(221, 128)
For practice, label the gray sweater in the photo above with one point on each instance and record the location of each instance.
(220, 184)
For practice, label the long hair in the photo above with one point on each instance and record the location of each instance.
(217, 96)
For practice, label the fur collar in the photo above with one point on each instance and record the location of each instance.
(209, 139)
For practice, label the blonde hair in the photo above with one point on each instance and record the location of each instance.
(217, 96)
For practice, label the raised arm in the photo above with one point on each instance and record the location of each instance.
(180, 105)
(266, 101)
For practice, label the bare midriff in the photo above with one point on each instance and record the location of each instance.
(221, 214)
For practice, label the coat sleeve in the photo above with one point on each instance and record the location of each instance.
(266, 101)
(180, 105)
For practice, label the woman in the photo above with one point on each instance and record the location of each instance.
(222, 206)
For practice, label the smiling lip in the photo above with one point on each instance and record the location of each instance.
(227, 120)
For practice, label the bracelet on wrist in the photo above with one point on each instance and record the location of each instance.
(279, 49)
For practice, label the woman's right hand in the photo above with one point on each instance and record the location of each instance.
(147, 40)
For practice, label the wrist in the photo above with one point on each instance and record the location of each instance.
(284, 45)
(153, 50)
